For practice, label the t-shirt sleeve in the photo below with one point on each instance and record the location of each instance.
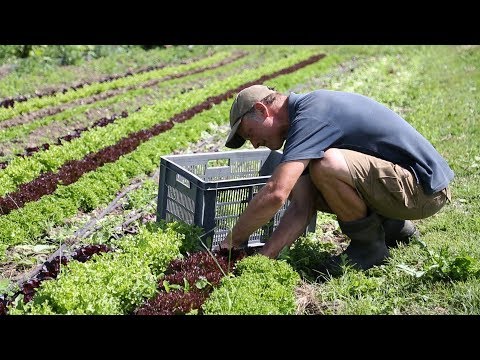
(308, 138)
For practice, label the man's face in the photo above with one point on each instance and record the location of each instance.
(260, 133)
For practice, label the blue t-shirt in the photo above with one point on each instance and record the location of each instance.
(323, 119)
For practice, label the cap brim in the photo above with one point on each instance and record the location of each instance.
(234, 140)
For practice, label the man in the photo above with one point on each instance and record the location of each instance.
(345, 154)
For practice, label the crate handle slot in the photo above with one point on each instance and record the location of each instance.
(182, 180)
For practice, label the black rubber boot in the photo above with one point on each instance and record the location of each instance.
(398, 231)
(367, 246)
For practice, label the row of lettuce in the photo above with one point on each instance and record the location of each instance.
(18, 134)
(126, 98)
(22, 170)
(116, 283)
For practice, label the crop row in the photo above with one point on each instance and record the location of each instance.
(127, 279)
(11, 100)
(96, 88)
(49, 271)
(22, 170)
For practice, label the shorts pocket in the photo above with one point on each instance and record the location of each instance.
(398, 184)
(390, 186)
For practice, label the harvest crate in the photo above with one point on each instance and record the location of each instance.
(211, 190)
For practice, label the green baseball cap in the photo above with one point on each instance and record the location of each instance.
(243, 102)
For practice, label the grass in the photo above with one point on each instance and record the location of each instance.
(436, 89)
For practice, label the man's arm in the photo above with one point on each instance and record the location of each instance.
(295, 219)
(265, 203)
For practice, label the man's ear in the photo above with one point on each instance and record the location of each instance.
(262, 108)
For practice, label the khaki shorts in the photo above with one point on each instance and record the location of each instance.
(389, 189)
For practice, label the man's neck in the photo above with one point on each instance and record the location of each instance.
(284, 121)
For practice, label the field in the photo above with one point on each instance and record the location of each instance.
(80, 148)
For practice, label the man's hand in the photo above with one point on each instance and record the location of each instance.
(227, 243)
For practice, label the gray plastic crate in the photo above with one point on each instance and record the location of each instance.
(211, 190)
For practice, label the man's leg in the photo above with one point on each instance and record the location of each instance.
(396, 231)
(390, 189)
(394, 193)
(331, 176)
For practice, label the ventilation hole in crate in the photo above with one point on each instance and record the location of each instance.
(179, 205)
(198, 169)
(246, 169)
(218, 237)
(218, 162)
(180, 212)
(180, 198)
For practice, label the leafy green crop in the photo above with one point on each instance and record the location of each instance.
(111, 283)
(263, 287)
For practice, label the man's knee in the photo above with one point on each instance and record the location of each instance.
(331, 167)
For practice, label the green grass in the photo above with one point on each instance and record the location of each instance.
(436, 89)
